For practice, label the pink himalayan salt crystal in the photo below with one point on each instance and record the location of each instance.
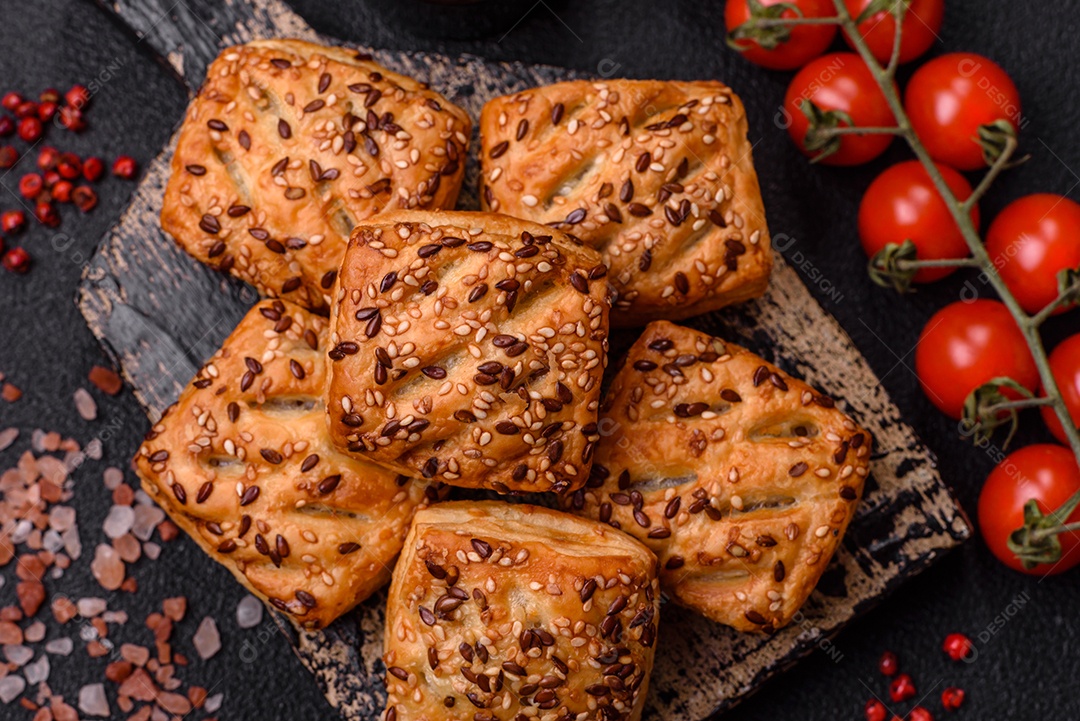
(107, 567)
(175, 608)
(92, 700)
(85, 405)
(207, 640)
(128, 547)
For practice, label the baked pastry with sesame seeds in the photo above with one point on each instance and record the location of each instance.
(243, 463)
(656, 175)
(290, 144)
(469, 348)
(503, 611)
(739, 477)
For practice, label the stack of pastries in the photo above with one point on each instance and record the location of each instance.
(404, 348)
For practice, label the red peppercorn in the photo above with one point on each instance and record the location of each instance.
(70, 166)
(8, 157)
(85, 198)
(12, 221)
(957, 646)
(48, 157)
(11, 101)
(46, 214)
(46, 111)
(902, 688)
(30, 129)
(952, 698)
(125, 167)
(61, 191)
(874, 710)
(49, 95)
(7, 126)
(920, 714)
(78, 97)
(889, 664)
(16, 260)
(31, 185)
(93, 168)
(26, 109)
(51, 178)
(72, 119)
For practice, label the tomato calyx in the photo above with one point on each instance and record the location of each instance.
(766, 26)
(1068, 291)
(998, 142)
(896, 265)
(1037, 542)
(892, 266)
(826, 128)
(987, 408)
(820, 138)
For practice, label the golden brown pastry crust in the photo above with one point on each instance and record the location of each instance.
(242, 462)
(288, 145)
(741, 478)
(656, 175)
(469, 348)
(500, 609)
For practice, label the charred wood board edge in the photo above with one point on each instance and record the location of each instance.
(160, 314)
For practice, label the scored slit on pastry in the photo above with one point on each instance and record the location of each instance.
(657, 176)
(501, 611)
(739, 477)
(288, 145)
(243, 463)
(469, 348)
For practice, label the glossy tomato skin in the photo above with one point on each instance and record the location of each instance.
(1065, 365)
(840, 81)
(1047, 473)
(966, 344)
(919, 29)
(903, 204)
(1030, 241)
(949, 97)
(805, 43)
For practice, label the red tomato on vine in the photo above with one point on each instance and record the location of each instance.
(1065, 365)
(920, 27)
(1046, 473)
(843, 87)
(950, 97)
(903, 204)
(804, 43)
(1030, 242)
(966, 344)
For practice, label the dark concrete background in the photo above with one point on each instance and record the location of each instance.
(1026, 630)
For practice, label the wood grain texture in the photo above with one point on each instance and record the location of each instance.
(161, 314)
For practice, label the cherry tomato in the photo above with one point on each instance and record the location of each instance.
(805, 44)
(950, 96)
(1065, 365)
(841, 82)
(919, 29)
(1046, 473)
(967, 344)
(1030, 241)
(903, 204)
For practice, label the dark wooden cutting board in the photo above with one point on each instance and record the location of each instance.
(160, 314)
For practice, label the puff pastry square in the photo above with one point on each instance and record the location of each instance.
(288, 145)
(469, 348)
(741, 478)
(242, 462)
(656, 175)
(501, 611)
